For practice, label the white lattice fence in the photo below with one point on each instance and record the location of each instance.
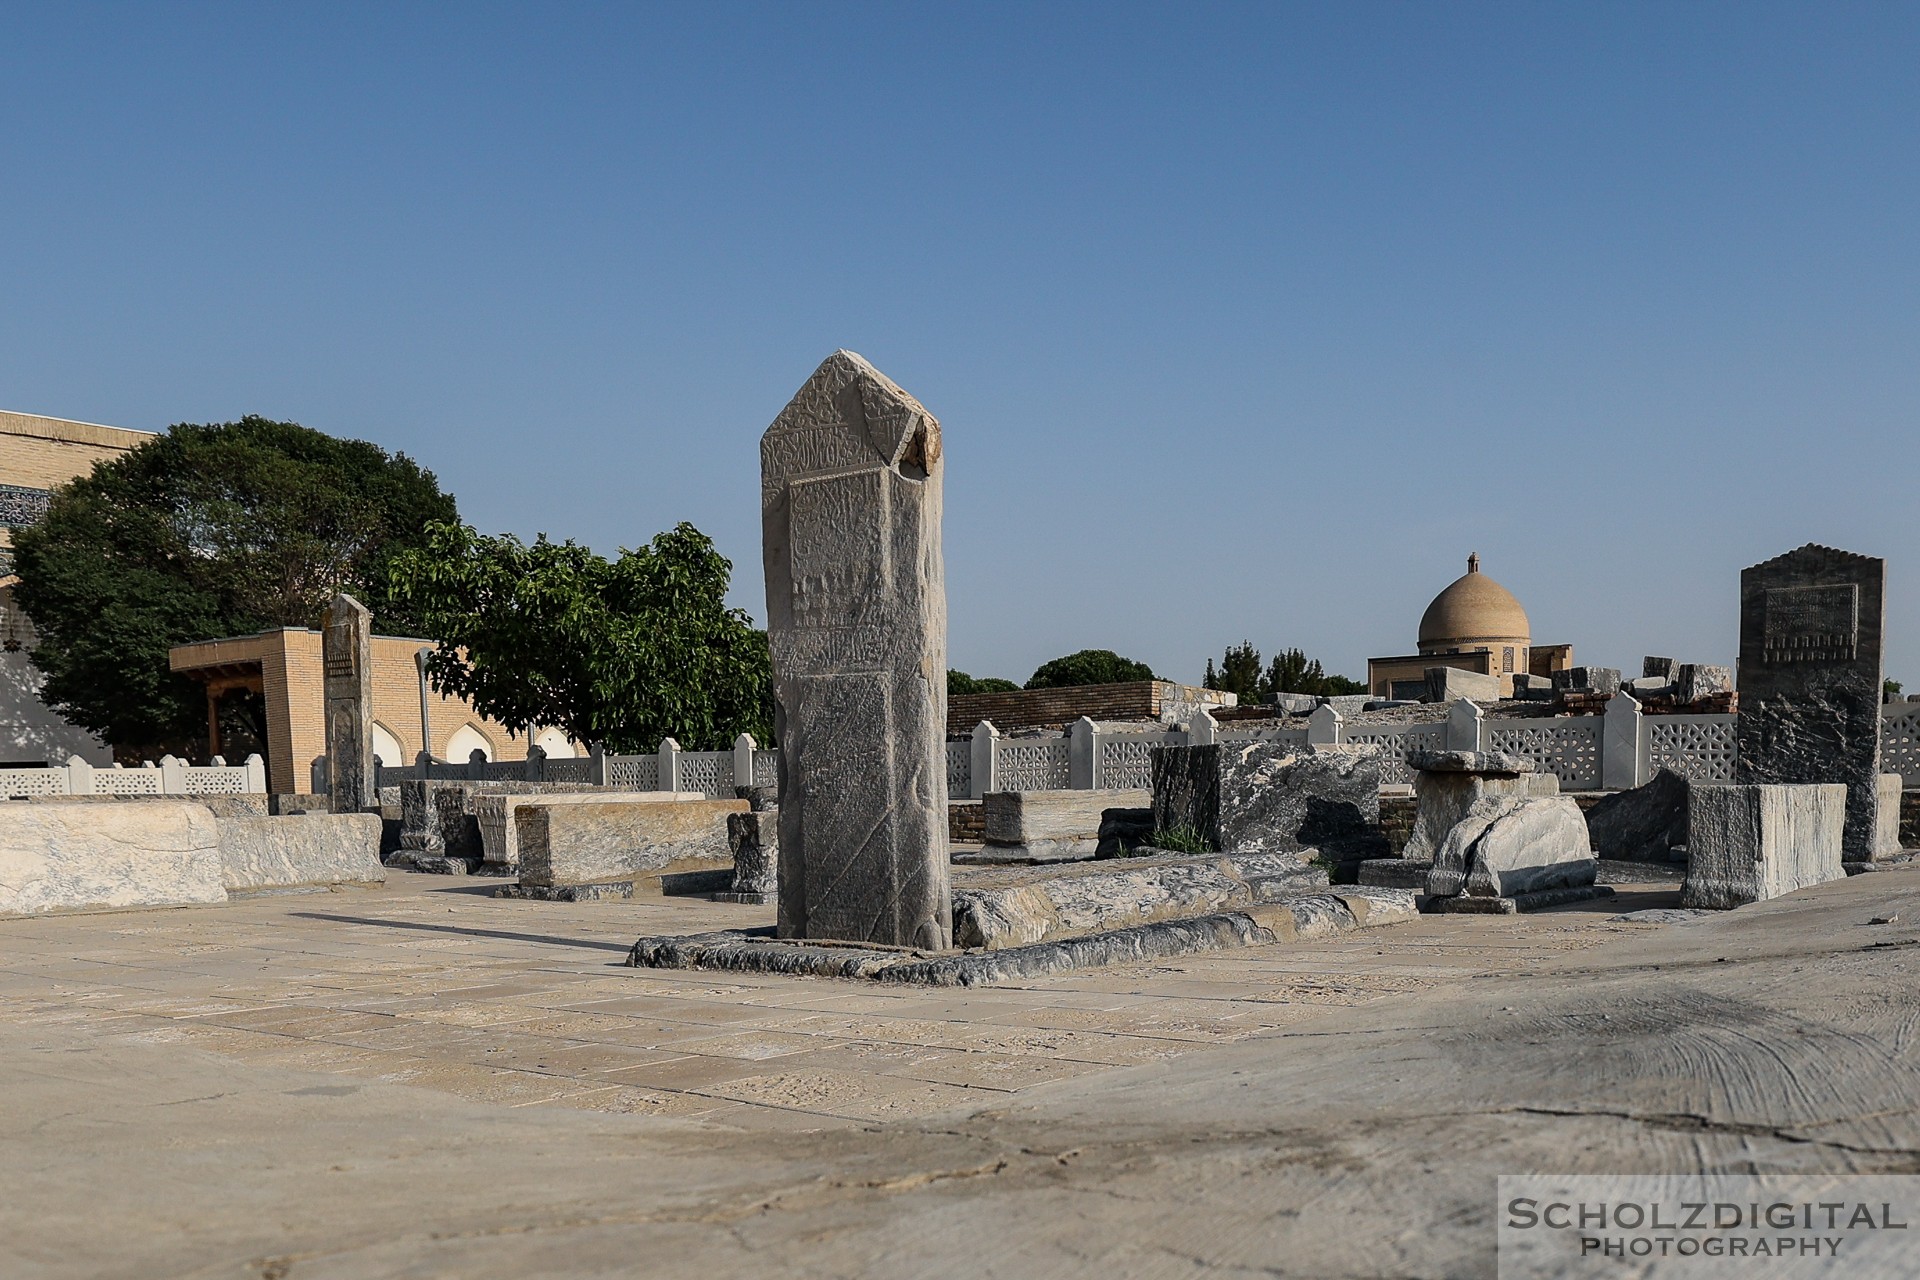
(1126, 760)
(960, 768)
(766, 768)
(708, 772)
(19, 783)
(1900, 741)
(127, 782)
(633, 773)
(1569, 747)
(1027, 765)
(170, 777)
(1700, 747)
(1395, 743)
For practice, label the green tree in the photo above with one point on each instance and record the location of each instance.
(1292, 671)
(622, 652)
(210, 530)
(1089, 666)
(1239, 672)
(961, 682)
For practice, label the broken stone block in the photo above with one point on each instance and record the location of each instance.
(1529, 846)
(1270, 797)
(754, 837)
(1657, 668)
(1587, 680)
(1748, 843)
(1693, 682)
(1446, 784)
(1644, 824)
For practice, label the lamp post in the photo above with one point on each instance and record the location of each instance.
(426, 725)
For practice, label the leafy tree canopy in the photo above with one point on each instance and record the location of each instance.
(961, 682)
(1291, 671)
(1089, 666)
(210, 530)
(622, 652)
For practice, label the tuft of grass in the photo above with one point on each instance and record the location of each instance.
(1181, 838)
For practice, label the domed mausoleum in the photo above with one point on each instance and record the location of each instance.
(1474, 625)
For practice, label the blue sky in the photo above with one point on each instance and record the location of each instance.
(1242, 321)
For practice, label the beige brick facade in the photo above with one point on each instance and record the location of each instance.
(284, 665)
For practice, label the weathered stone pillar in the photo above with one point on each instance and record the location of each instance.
(346, 652)
(1810, 677)
(857, 619)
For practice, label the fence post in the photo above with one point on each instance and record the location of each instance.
(536, 770)
(1623, 744)
(669, 765)
(1203, 730)
(79, 777)
(1080, 755)
(257, 775)
(597, 763)
(743, 748)
(173, 776)
(1325, 727)
(1466, 730)
(986, 759)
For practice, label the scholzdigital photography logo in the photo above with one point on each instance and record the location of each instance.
(1684, 1225)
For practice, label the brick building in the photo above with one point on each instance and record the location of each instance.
(283, 666)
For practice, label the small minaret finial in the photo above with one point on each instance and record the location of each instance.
(1473, 562)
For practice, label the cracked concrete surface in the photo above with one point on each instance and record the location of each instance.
(420, 1082)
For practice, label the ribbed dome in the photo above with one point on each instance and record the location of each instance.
(1474, 607)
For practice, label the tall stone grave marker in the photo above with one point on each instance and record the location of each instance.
(857, 619)
(1810, 677)
(346, 653)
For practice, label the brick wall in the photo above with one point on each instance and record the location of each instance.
(1057, 708)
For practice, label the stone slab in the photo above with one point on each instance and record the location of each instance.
(1886, 839)
(565, 843)
(1541, 901)
(1754, 842)
(850, 487)
(1450, 684)
(1494, 763)
(1309, 918)
(1065, 906)
(1394, 873)
(1048, 826)
(102, 857)
(310, 850)
(499, 841)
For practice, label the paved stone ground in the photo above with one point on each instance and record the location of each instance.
(426, 1081)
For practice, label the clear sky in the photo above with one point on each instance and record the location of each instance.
(1242, 322)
